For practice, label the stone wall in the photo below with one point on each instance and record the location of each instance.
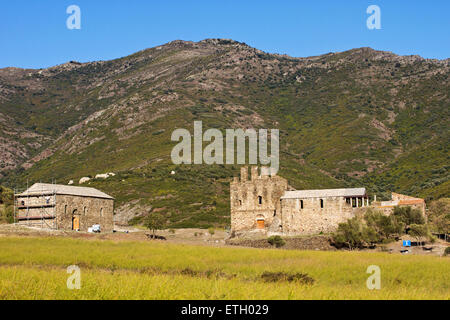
(89, 209)
(312, 219)
(255, 199)
(36, 200)
(35, 206)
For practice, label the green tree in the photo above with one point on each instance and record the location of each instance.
(373, 227)
(447, 251)
(385, 226)
(419, 231)
(276, 241)
(154, 221)
(6, 205)
(439, 215)
(408, 215)
(352, 234)
(6, 196)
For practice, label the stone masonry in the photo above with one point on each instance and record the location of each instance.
(255, 203)
(264, 205)
(64, 208)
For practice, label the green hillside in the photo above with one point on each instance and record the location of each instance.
(356, 118)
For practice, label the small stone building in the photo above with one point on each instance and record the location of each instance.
(264, 204)
(64, 207)
(400, 200)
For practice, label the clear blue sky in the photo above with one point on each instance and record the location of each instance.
(33, 34)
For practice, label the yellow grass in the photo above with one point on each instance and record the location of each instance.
(35, 268)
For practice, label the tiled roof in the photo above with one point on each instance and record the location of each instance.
(323, 193)
(412, 201)
(46, 188)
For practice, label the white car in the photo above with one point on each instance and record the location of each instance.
(94, 229)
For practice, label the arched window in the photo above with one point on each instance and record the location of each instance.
(101, 212)
(301, 204)
(84, 210)
(240, 202)
(321, 203)
(65, 208)
(259, 200)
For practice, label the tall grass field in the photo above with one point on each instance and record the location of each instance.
(36, 268)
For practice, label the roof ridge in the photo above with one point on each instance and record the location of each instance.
(66, 189)
(316, 193)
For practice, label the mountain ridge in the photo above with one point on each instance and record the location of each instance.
(215, 40)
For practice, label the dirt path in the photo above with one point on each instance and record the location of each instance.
(202, 237)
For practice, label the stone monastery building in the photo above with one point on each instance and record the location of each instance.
(265, 204)
(64, 207)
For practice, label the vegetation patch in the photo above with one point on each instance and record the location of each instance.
(6, 205)
(374, 227)
(276, 241)
(290, 277)
(35, 268)
(447, 251)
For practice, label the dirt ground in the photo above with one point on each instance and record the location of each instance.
(437, 248)
(220, 238)
(185, 236)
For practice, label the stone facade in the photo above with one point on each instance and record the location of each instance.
(264, 205)
(255, 202)
(51, 208)
(89, 210)
(315, 217)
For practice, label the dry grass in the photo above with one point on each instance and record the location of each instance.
(35, 268)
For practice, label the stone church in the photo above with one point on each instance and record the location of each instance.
(63, 207)
(265, 204)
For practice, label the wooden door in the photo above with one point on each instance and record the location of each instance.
(76, 223)
(260, 224)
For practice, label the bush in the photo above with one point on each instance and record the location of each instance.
(385, 226)
(439, 215)
(276, 241)
(283, 276)
(409, 216)
(419, 231)
(9, 214)
(6, 205)
(154, 221)
(373, 227)
(351, 234)
(211, 231)
(447, 251)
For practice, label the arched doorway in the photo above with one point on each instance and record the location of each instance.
(260, 222)
(75, 220)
